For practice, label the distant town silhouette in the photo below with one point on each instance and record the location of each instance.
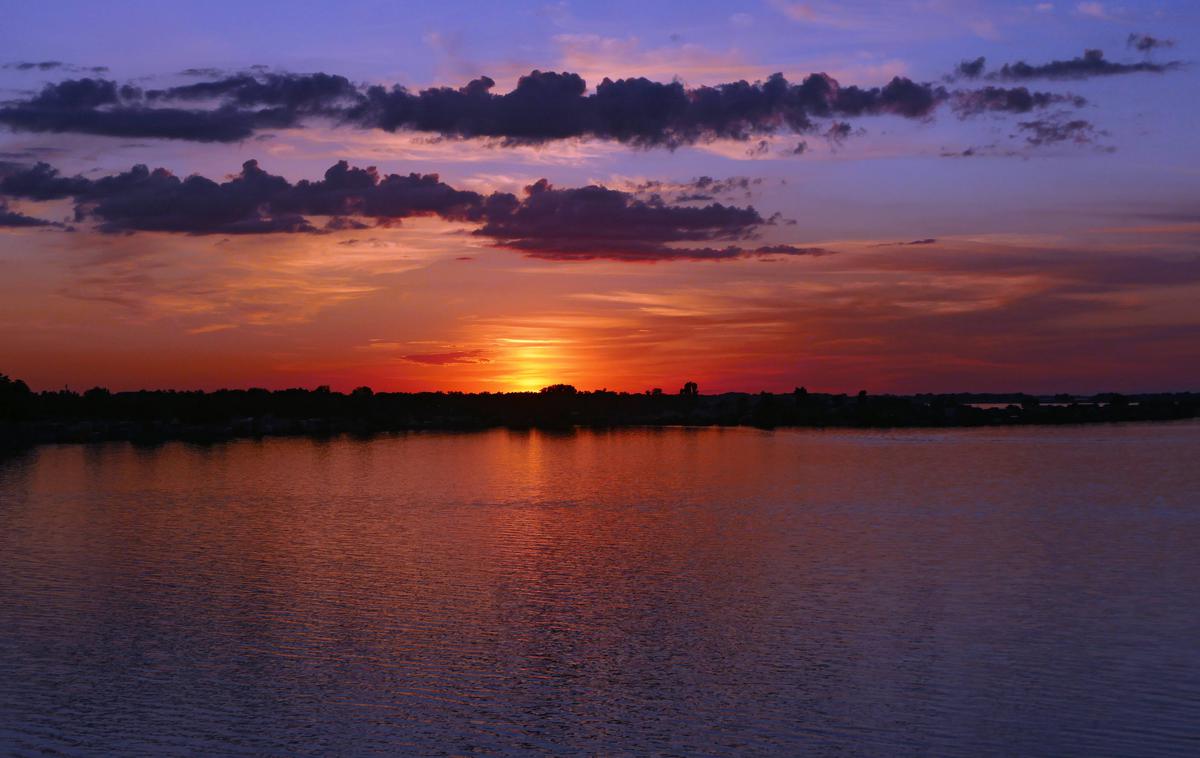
(28, 417)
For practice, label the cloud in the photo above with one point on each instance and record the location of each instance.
(202, 71)
(544, 106)
(1049, 131)
(992, 99)
(30, 66)
(970, 69)
(596, 222)
(101, 107)
(144, 200)
(27, 153)
(447, 359)
(699, 189)
(12, 219)
(348, 191)
(838, 132)
(251, 202)
(926, 241)
(299, 93)
(40, 182)
(1091, 63)
(52, 66)
(1092, 9)
(583, 223)
(1145, 43)
(816, 252)
(547, 106)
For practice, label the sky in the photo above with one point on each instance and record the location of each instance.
(907, 196)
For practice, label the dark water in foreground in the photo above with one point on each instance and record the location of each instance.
(989, 592)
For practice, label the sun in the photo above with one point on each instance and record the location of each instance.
(532, 368)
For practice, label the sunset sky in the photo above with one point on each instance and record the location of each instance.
(934, 196)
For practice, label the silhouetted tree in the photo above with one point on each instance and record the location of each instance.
(690, 389)
(14, 398)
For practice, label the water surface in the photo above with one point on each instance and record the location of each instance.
(966, 592)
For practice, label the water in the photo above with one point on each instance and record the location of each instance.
(985, 592)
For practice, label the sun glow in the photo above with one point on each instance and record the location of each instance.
(533, 368)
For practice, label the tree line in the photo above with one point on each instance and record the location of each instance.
(97, 414)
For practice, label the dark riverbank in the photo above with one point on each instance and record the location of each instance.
(28, 418)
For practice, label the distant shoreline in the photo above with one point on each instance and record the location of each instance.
(28, 418)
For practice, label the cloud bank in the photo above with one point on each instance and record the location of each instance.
(1091, 64)
(544, 106)
(581, 223)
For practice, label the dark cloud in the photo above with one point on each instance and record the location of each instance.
(926, 241)
(1091, 63)
(838, 132)
(100, 106)
(549, 106)
(162, 123)
(12, 219)
(544, 106)
(209, 72)
(699, 189)
(581, 223)
(348, 191)
(52, 66)
(41, 182)
(298, 93)
(30, 66)
(970, 69)
(1050, 131)
(721, 186)
(990, 150)
(145, 200)
(345, 223)
(992, 99)
(77, 94)
(1145, 43)
(251, 202)
(447, 359)
(26, 154)
(792, 250)
(597, 222)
